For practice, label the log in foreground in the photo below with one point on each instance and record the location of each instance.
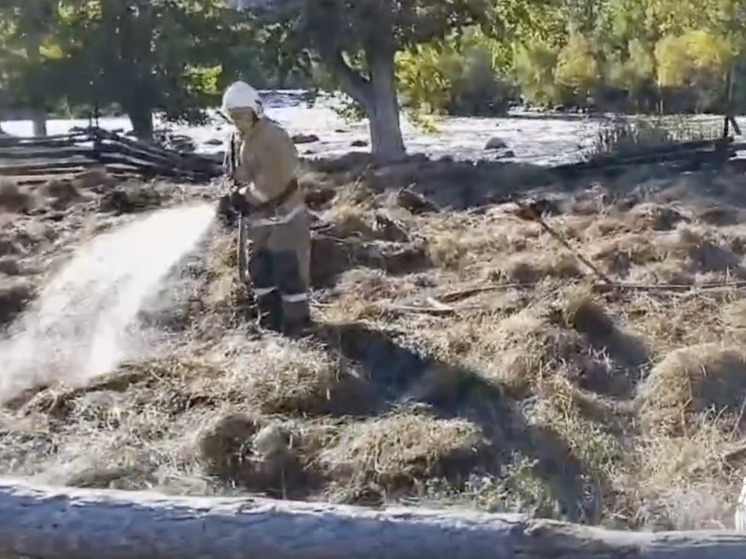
(51, 523)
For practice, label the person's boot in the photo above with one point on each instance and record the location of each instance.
(297, 324)
(270, 311)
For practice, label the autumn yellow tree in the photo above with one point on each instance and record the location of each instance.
(577, 68)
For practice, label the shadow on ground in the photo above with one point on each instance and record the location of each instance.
(405, 377)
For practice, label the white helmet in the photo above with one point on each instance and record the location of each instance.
(241, 95)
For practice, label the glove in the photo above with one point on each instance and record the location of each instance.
(238, 203)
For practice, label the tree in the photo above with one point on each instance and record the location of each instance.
(577, 67)
(28, 26)
(143, 55)
(357, 41)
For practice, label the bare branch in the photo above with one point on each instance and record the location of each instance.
(354, 84)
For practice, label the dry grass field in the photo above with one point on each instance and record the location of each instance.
(462, 356)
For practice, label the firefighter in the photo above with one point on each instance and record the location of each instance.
(261, 164)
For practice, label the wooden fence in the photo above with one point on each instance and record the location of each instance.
(39, 159)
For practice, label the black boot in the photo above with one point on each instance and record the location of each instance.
(296, 326)
(270, 311)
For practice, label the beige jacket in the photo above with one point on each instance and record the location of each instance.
(267, 161)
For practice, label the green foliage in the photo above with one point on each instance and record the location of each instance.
(616, 55)
(461, 57)
(459, 76)
(170, 56)
(577, 68)
(142, 55)
(534, 71)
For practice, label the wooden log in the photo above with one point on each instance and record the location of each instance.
(140, 155)
(35, 180)
(46, 153)
(10, 141)
(192, 161)
(51, 167)
(63, 523)
(150, 169)
(186, 163)
(136, 144)
(181, 165)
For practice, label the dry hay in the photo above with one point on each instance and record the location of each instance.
(14, 198)
(396, 451)
(292, 380)
(263, 458)
(522, 397)
(691, 382)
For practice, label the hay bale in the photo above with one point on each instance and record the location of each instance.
(525, 269)
(10, 266)
(734, 315)
(129, 199)
(94, 179)
(689, 382)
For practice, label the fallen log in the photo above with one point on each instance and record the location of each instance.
(139, 158)
(51, 154)
(50, 523)
(44, 141)
(195, 161)
(52, 167)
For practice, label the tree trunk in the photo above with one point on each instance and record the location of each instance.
(38, 117)
(48, 523)
(39, 120)
(382, 107)
(141, 117)
(378, 97)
